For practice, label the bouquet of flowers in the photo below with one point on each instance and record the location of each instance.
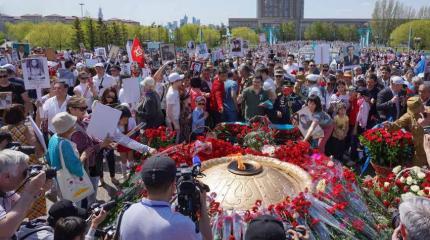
(232, 132)
(160, 137)
(400, 184)
(388, 148)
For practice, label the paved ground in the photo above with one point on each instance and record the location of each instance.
(108, 190)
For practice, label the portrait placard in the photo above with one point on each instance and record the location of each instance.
(202, 51)
(35, 72)
(5, 100)
(168, 52)
(305, 120)
(236, 49)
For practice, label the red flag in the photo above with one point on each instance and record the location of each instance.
(137, 53)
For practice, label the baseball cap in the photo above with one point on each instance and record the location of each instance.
(173, 77)
(83, 74)
(99, 65)
(397, 80)
(65, 208)
(265, 227)
(9, 67)
(158, 170)
(279, 72)
(312, 77)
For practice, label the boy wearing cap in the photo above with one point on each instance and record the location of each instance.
(152, 217)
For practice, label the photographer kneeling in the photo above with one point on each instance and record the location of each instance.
(14, 176)
(152, 218)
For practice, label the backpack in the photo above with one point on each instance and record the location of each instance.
(36, 229)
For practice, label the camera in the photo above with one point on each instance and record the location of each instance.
(189, 188)
(34, 170)
(96, 208)
(16, 146)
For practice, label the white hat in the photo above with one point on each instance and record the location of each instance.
(99, 65)
(397, 80)
(173, 77)
(312, 77)
(421, 75)
(63, 122)
(9, 67)
(80, 65)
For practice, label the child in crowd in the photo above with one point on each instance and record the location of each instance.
(340, 96)
(341, 122)
(126, 123)
(360, 125)
(199, 117)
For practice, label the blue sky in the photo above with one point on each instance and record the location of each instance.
(163, 11)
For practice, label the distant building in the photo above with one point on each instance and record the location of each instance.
(183, 21)
(272, 13)
(195, 21)
(32, 18)
(36, 18)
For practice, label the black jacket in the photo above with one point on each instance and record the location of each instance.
(386, 109)
(149, 111)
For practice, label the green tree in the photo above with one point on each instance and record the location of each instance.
(387, 15)
(90, 32)
(318, 31)
(124, 33)
(2, 37)
(52, 35)
(287, 31)
(245, 33)
(419, 28)
(211, 36)
(348, 33)
(78, 37)
(116, 35)
(102, 38)
(18, 31)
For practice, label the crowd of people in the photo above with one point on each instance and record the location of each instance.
(384, 89)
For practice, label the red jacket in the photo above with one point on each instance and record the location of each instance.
(217, 95)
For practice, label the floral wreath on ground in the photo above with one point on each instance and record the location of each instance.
(336, 208)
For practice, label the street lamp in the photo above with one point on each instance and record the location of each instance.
(82, 9)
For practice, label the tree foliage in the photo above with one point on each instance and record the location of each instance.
(78, 36)
(419, 29)
(18, 31)
(287, 32)
(53, 35)
(389, 14)
(245, 33)
(330, 32)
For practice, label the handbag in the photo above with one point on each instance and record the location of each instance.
(72, 187)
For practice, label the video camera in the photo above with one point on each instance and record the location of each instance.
(188, 191)
(34, 170)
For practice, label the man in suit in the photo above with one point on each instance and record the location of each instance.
(391, 101)
(351, 59)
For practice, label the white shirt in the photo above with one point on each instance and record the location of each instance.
(290, 68)
(173, 101)
(108, 82)
(85, 93)
(51, 108)
(272, 85)
(161, 89)
(163, 223)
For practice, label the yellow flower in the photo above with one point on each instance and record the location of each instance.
(321, 185)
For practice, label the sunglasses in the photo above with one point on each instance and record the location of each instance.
(278, 76)
(82, 109)
(3, 76)
(201, 103)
